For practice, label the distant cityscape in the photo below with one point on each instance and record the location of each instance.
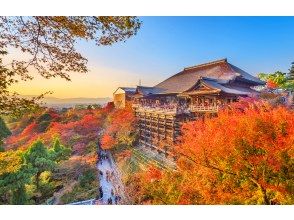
(59, 103)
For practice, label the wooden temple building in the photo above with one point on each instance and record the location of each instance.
(188, 95)
(122, 96)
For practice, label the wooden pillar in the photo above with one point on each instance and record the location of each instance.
(158, 128)
(165, 126)
(173, 129)
(145, 128)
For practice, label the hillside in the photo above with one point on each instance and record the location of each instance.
(54, 102)
(65, 142)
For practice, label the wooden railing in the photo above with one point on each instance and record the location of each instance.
(86, 202)
(157, 109)
(198, 108)
(176, 110)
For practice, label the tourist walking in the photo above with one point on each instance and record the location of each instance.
(116, 199)
(101, 192)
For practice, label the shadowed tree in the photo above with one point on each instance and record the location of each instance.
(48, 47)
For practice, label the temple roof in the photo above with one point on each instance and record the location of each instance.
(146, 90)
(217, 86)
(219, 70)
(128, 90)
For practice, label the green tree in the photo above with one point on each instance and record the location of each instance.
(59, 152)
(4, 132)
(14, 174)
(39, 158)
(18, 168)
(49, 45)
(279, 79)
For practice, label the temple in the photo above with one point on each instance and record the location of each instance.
(188, 95)
(122, 96)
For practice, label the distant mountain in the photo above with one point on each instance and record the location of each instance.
(70, 102)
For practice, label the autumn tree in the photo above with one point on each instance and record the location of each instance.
(277, 80)
(119, 128)
(243, 156)
(4, 132)
(14, 174)
(48, 45)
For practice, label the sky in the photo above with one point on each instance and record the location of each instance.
(166, 45)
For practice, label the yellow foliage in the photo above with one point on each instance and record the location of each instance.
(10, 161)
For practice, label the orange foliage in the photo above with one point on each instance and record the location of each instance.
(119, 129)
(271, 84)
(245, 155)
(246, 147)
(153, 174)
(29, 129)
(76, 129)
(107, 141)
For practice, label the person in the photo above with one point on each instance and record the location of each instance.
(112, 193)
(107, 175)
(115, 200)
(101, 192)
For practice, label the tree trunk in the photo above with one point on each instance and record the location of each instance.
(265, 198)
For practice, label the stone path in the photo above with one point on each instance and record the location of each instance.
(105, 165)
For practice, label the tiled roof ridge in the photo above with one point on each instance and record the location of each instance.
(145, 87)
(126, 87)
(207, 64)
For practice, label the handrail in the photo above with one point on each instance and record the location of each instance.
(85, 202)
(177, 109)
(204, 108)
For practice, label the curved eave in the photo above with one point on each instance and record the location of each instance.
(199, 92)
